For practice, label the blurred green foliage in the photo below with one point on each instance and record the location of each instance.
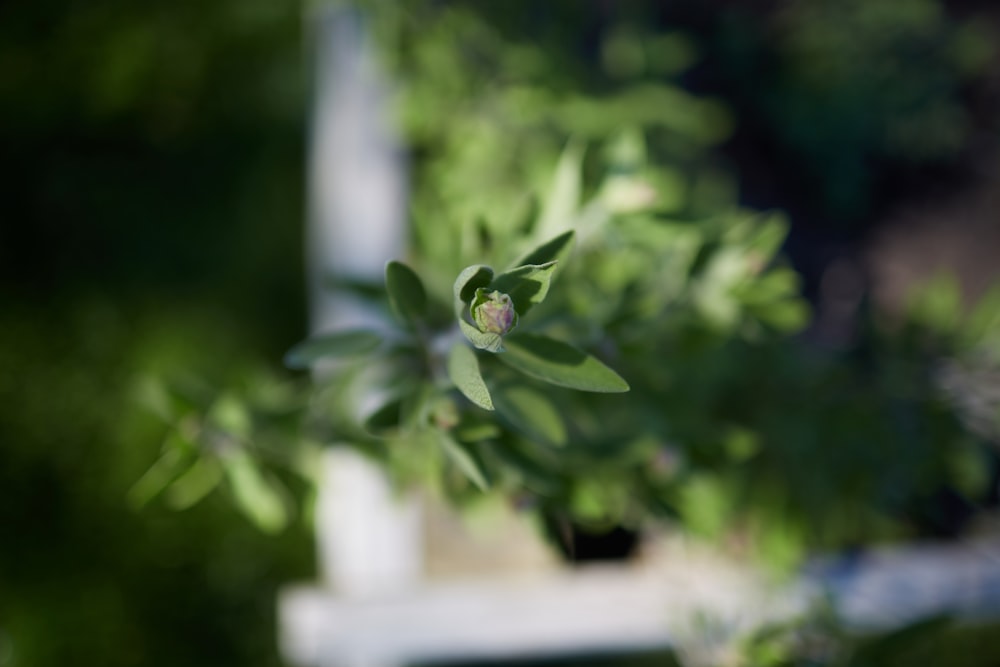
(731, 427)
(151, 230)
(151, 280)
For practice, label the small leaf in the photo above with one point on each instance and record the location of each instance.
(469, 280)
(406, 292)
(463, 460)
(563, 198)
(257, 496)
(332, 345)
(199, 480)
(548, 251)
(560, 364)
(176, 460)
(531, 413)
(526, 285)
(482, 340)
(463, 369)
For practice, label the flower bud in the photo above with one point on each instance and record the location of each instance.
(493, 312)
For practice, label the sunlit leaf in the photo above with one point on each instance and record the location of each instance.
(257, 496)
(560, 364)
(407, 296)
(563, 198)
(332, 346)
(230, 414)
(463, 369)
(549, 251)
(526, 285)
(530, 412)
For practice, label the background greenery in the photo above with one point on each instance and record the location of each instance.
(152, 241)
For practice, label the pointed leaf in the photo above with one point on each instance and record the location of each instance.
(530, 412)
(563, 198)
(200, 480)
(482, 340)
(257, 496)
(548, 251)
(174, 462)
(560, 364)
(469, 280)
(332, 345)
(406, 292)
(526, 285)
(463, 460)
(463, 369)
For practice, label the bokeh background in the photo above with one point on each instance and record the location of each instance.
(153, 228)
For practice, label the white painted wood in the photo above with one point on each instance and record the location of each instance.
(369, 540)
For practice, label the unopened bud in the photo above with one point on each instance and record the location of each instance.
(493, 312)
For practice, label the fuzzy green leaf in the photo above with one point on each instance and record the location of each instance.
(560, 364)
(526, 285)
(469, 280)
(407, 296)
(531, 413)
(463, 369)
(548, 251)
(333, 345)
(482, 340)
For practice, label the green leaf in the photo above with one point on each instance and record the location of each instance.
(531, 413)
(526, 285)
(560, 364)
(333, 345)
(463, 369)
(482, 340)
(469, 280)
(406, 292)
(175, 461)
(548, 251)
(199, 480)
(563, 198)
(256, 495)
(463, 460)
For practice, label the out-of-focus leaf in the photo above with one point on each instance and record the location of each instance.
(385, 417)
(463, 460)
(173, 463)
(526, 285)
(531, 413)
(153, 395)
(333, 345)
(407, 296)
(549, 251)
(199, 480)
(937, 305)
(984, 322)
(230, 415)
(787, 316)
(560, 364)
(463, 369)
(257, 496)
(563, 197)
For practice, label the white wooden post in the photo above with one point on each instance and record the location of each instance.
(369, 541)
